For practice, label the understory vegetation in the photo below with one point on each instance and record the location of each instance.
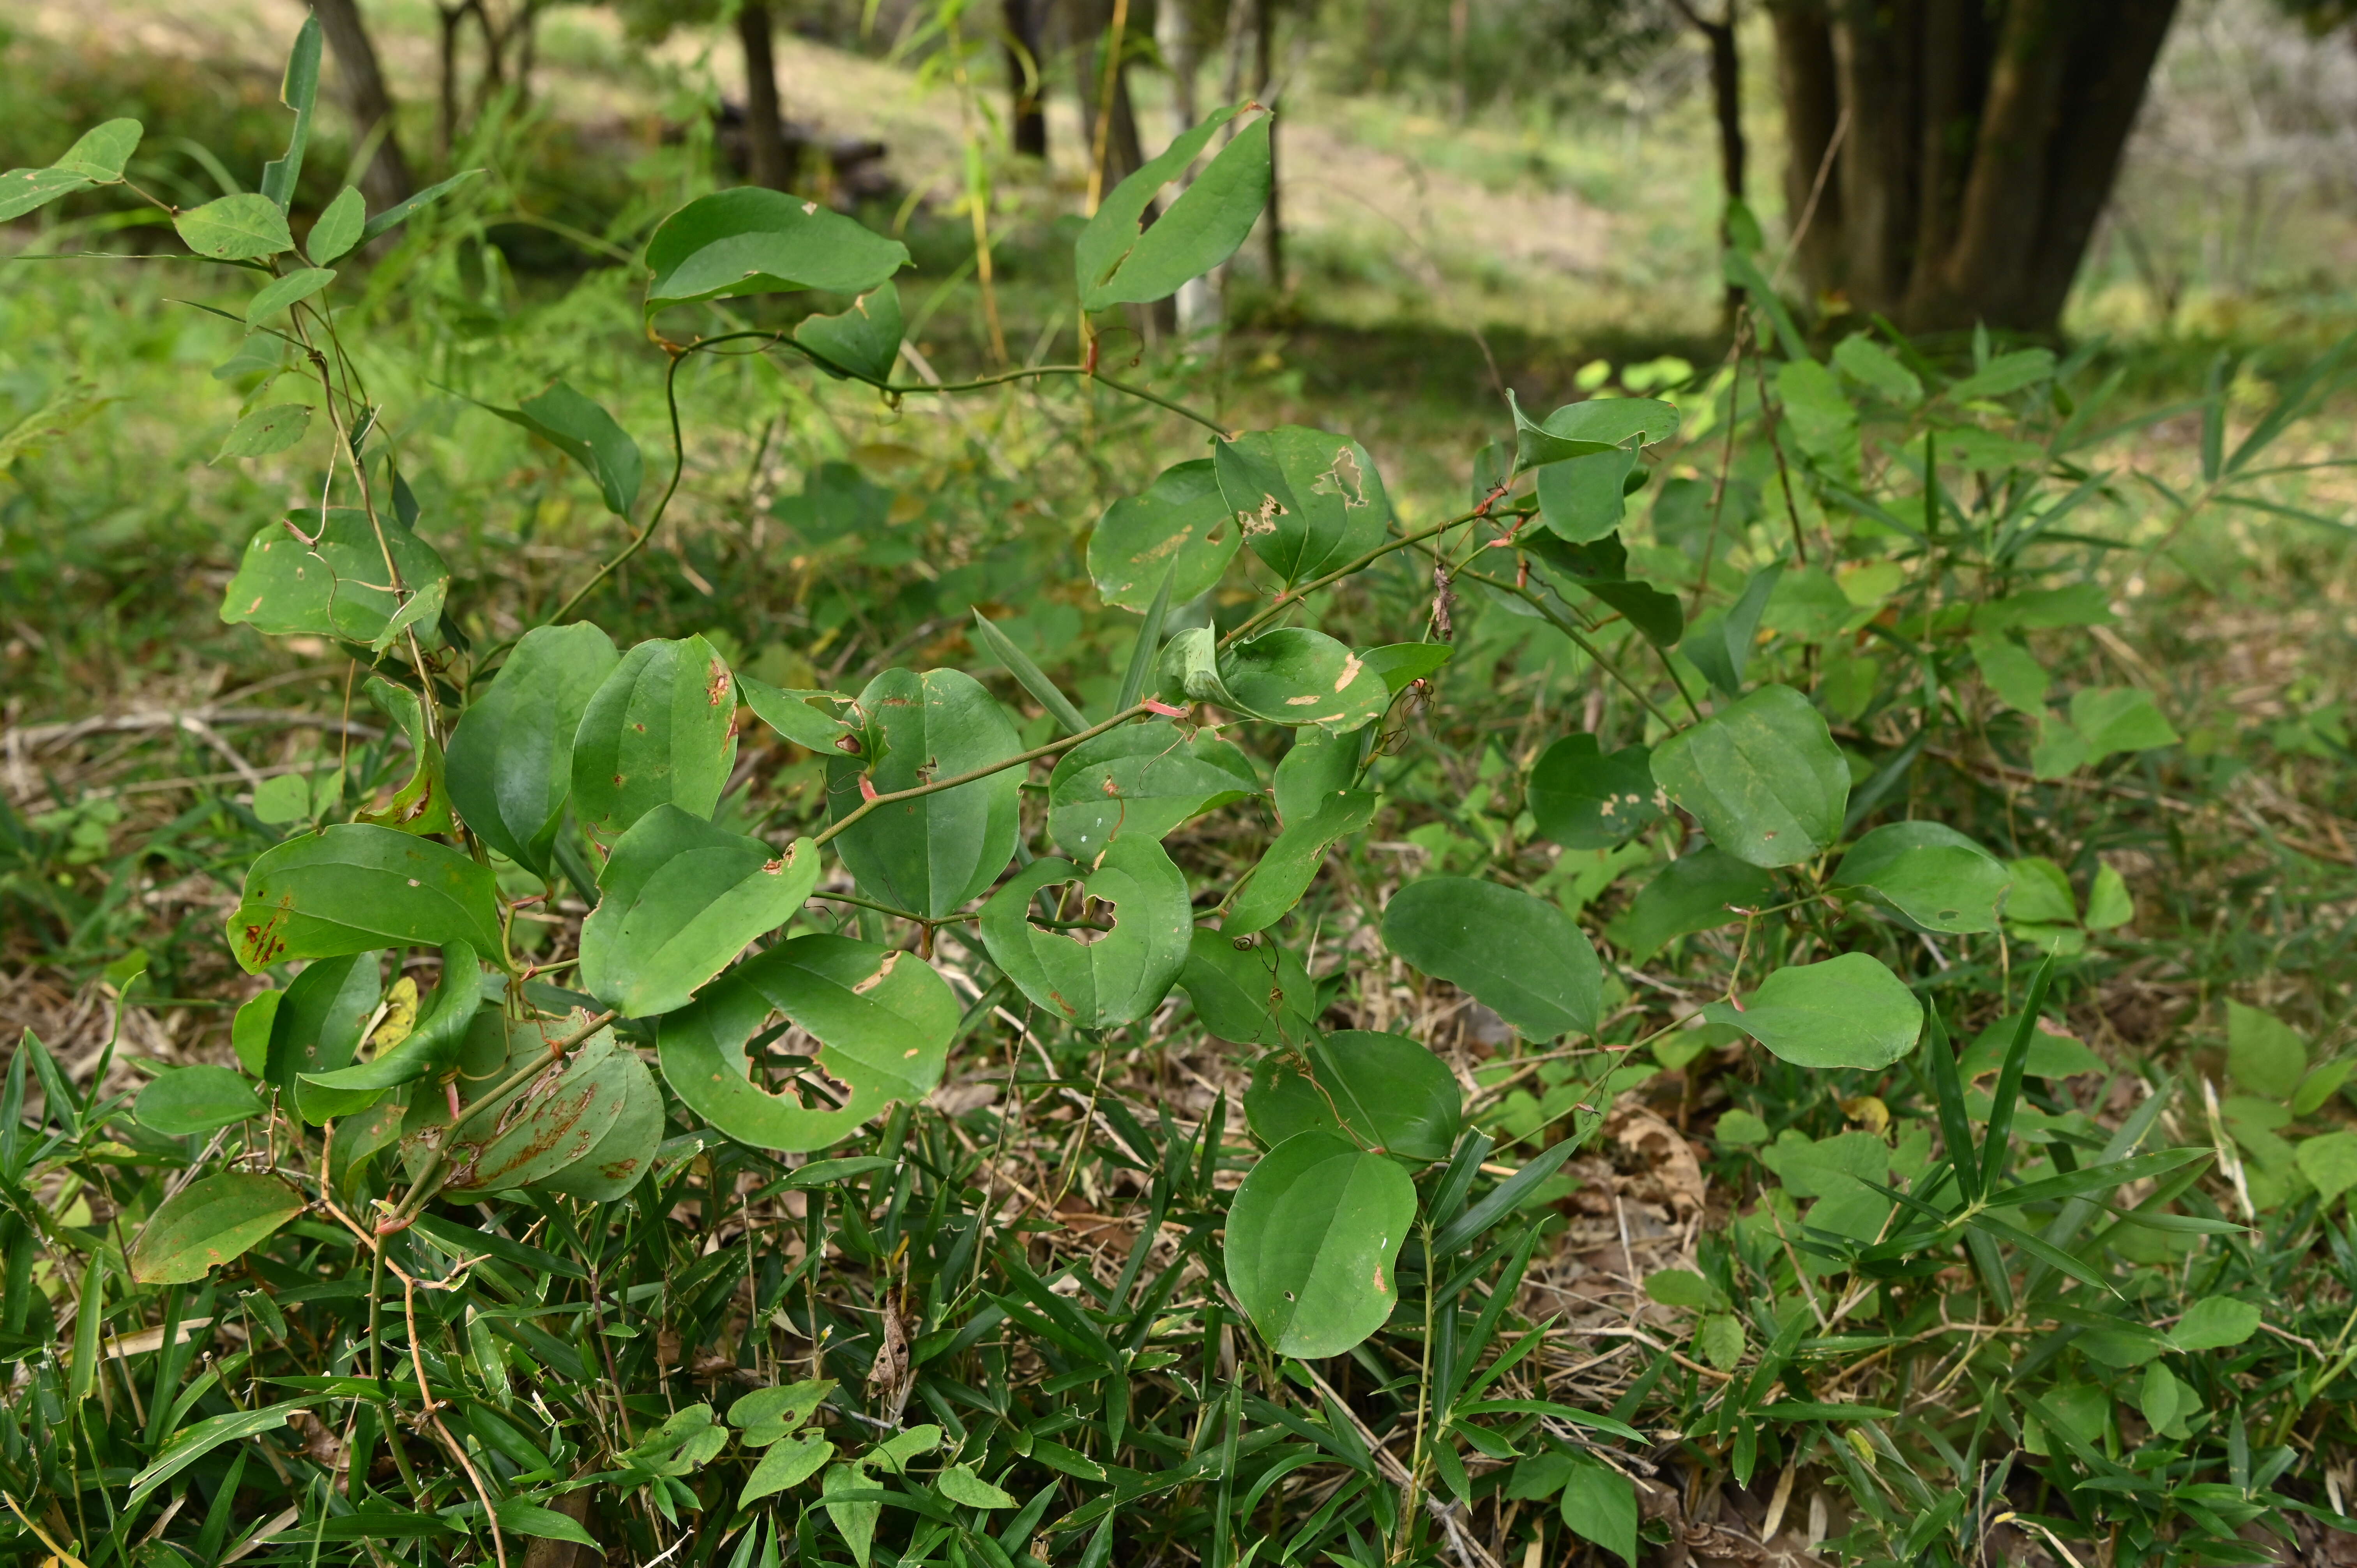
(682, 914)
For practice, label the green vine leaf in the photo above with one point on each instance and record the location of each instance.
(1117, 262)
(1844, 1012)
(1312, 1236)
(210, 1222)
(354, 887)
(326, 577)
(1519, 956)
(1305, 501)
(1095, 978)
(933, 854)
(1384, 1093)
(750, 240)
(509, 767)
(1928, 871)
(1178, 529)
(660, 730)
(1762, 775)
(1141, 781)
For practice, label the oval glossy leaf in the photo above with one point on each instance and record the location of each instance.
(1140, 781)
(620, 1160)
(1249, 990)
(316, 1028)
(550, 1123)
(339, 228)
(1115, 262)
(1697, 892)
(864, 342)
(1307, 501)
(1929, 873)
(1403, 664)
(184, 1101)
(1384, 1093)
(750, 240)
(682, 898)
(1580, 498)
(267, 431)
(283, 293)
(1582, 797)
(1290, 864)
(1318, 766)
(331, 580)
(1296, 676)
(933, 853)
(208, 1223)
(882, 1019)
(509, 767)
(1312, 1235)
(1762, 775)
(785, 1463)
(354, 887)
(242, 228)
(658, 730)
(790, 715)
(1845, 1012)
(1519, 956)
(1180, 518)
(1092, 978)
(586, 433)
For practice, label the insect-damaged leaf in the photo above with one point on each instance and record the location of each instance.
(1141, 781)
(354, 887)
(1584, 798)
(882, 1019)
(210, 1222)
(1305, 501)
(1117, 263)
(660, 730)
(1312, 1236)
(681, 898)
(1177, 529)
(1094, 978)
(933, 853)
(1289, 676)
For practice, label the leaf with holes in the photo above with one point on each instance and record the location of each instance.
(1287, 866)
(1118, 263)
(1094, 978)
(659, 730)
(1141, 781)
(681, 899)
(1845, 1012)
(1584, 798)
(328, 578)
(1305, 501)
(1929, 873)
(1177, 528)
(354, 887)
(1518, 955)
(933, 853)
(1311, 1237)
(509, 767)
(1763, 776)
(882, 1017)
(1289, 676)
(750, 240)
(1384, 1093)
(208, 1223)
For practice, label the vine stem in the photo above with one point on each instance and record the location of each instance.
(1350, 568)
(936, 786)
(1572, 632)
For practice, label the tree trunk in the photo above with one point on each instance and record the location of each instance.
(1195, 309)
(1027, 114)
(453, 17)
(764, 129)
(1727, 104)
(1979, 141)
(1265, 69)
(386, 181)
(1123, 153)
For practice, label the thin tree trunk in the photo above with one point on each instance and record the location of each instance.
(1123, 152)
(1264, 68)
(1196, 307)
(1726, 104)
(1876, 57)
(1027, 116)
(765, 130)
(1805, 77)
(386, 181)
(452, 17)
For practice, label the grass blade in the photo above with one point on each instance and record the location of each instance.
(2008, 1080)
(1029, 676)
(1955, 1128)
(1149, 643)
(2095, 1178)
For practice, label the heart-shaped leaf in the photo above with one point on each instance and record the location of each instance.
(1312, 1235)
(586, 433)
(1762, 775)
(1579, 498)
(331, 580)
(1519, 956)
(1140, 781)
(1929, 873)
(933, 853)
(1095, 966)
(1176, 530)
(1307, 501)
(242, 228)
(1844, 1012)
(354, 887)
(184, 1101)
(1583, 797)
(1249, 990)
(1289, 864)
(1697, 892)
(882, 1019)
(750, 240)
(1117, 262)
(208, 1223)
(509, 767)
(682, 898)
(863, 342)
(1384, 1093)
(660, 730)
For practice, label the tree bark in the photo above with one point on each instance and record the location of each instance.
(386, 181)
(1265, 64)
(1123, 153)
(1027, 114)
(765, 128)
(1982, 141)
(1726, 105)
